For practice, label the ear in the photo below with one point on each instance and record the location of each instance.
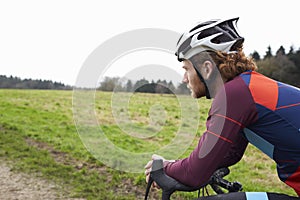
(207, 70)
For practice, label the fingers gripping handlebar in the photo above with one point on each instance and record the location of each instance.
(170, 185)
(165, 182)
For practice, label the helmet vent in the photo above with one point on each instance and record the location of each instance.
(207, 33)
(202, 25)
(221, 38)
(185, 46)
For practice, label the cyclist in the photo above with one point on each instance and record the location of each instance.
(247, 107)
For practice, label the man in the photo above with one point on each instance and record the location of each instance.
(246, 107)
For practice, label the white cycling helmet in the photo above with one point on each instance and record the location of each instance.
(213, 35)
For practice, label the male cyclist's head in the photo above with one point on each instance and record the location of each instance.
(213, 35)
(216, 45)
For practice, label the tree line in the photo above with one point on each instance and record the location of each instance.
(18, 83)
(281, 65)
(143, 85)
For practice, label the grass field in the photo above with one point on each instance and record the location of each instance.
(38, 135)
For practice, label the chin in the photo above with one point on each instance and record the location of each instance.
(196, 95)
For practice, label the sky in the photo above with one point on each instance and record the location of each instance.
(51, 40)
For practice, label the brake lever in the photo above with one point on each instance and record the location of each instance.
(217, 181)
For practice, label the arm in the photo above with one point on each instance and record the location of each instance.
(221, 144)
(235, 152)
(210, 154)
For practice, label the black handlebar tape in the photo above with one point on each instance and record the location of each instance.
(148, 187)
(167, 183)
(156, 165)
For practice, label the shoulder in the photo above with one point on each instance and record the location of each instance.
(235, 90)
(233, 97)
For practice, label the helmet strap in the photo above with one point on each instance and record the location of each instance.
(207, 94)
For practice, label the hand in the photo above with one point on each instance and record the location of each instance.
(148, 168)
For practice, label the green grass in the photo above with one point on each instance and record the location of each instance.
(40, 162)
(38, 135)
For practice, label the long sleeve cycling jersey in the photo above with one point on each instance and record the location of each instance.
(250, 108)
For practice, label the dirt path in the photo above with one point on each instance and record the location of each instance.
(20, 186)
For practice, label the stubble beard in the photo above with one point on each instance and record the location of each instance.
(195, 93)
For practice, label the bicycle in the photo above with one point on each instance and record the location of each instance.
(217, 183)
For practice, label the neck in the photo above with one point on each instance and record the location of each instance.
(215, 85)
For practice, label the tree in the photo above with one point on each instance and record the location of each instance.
(109, 84)
(129, 86)
(295, 57)
(280, 51)
(171, 87)
(291, 51)
(279, 68)
(139, 86)
(255, 55)
(182, 89)
(268, 53)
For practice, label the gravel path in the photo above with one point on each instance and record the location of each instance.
(20, 186)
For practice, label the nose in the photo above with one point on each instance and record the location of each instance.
(185, 78)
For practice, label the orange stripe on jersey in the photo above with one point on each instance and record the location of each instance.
(221, 137)
(264, 90)
(230, 119)
(287, 106)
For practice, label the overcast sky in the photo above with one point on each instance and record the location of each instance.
(52, 39)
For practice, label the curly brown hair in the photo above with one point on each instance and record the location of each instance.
(230, 64)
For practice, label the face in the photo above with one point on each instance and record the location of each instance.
(192, 80)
